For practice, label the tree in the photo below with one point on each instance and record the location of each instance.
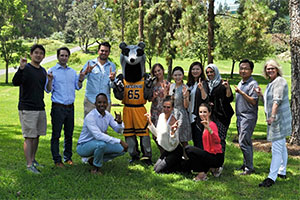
(141, 20)
(245, 35)
(191, 37)
(294, 8)
(81, 20)
(12, 13)
(211, 29)
(163, 19)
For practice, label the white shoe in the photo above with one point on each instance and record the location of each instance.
(85, 160)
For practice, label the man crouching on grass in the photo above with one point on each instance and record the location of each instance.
(94, 141)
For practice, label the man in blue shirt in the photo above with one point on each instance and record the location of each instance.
(100, 77)
(62, 83)
(94, 140)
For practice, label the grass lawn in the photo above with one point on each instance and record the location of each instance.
(121, 180)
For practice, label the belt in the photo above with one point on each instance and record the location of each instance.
(62, 105)
(134, 105)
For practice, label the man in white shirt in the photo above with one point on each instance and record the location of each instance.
(94, 141)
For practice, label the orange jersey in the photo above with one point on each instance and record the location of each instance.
(134, 93)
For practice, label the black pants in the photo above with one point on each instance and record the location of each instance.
(201, 160)
(62, 116)
(168, 161)
(197, 132)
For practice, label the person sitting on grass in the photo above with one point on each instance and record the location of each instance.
(212, 157)
(167, 138)
(94, 140)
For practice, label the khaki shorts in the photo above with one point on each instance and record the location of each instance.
(89, 106)
(33, 122)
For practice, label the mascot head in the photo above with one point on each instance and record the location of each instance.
(132, 61)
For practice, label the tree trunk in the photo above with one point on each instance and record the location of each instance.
(232, 68)
(141, 20)
(169, 63)
(211, 23)
(122, 21)
(6, 72)
(294, 8)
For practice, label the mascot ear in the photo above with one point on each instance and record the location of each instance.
(142, 45)
(122, 45)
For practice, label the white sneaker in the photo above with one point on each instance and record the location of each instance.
(85, 160)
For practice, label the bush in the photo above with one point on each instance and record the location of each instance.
(57, 36)
(74, 59)
(69, 36)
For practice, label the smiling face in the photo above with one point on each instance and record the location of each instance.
(103, 52)
(210, 73)
(37, 56)
(196, 72)
(101, 104)
(167, 107)
(204, 113)
(158, 73)
(271, 71)
(245, 71)
(177, 76)
(63, 57)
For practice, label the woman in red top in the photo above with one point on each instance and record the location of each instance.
(212, 155)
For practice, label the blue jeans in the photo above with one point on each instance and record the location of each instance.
(102, 151)
(62, 117)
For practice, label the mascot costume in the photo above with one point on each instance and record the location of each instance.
(134, 88)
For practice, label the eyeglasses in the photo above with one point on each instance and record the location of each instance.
(166, 106)
(270, 68)
(210, 72)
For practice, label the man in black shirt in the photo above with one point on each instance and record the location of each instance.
(32, 78)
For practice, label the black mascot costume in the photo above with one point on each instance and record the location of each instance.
(134, 88)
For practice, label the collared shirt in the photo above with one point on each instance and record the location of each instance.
(95, 128)
(65, 81)
(242, 107)
(98, 80)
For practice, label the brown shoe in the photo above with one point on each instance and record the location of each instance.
(69, 162)
(91, 160)
(60, 165)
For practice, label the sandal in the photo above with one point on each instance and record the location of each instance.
(201, 177)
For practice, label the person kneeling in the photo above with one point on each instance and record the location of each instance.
(167, 138)
(212, 156)
(94, 141)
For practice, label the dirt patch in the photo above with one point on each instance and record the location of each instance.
(264, 145)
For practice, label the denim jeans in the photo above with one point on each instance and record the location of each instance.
(62, 116)
(102, 151)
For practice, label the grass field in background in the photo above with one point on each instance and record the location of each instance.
(121, 180)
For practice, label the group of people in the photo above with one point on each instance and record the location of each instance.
(199, 111)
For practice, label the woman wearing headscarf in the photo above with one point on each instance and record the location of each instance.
(220, 97)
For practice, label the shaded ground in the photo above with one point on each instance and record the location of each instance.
(264, 145)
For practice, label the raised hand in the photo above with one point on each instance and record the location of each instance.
(89, 68)
(237, 89)
(226, 84)
(174, 127)
(112, 74)
(185, 92)
(81, 75)
(148, 115)
(23, 62)
(200, 84)
(118, 117)
(258, 91)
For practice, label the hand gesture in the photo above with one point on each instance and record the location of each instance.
(185, 92)
(148, 115)
(23, 62)
(118, 118)
(205, 123)
(226, 84)
(112, 74)
(50, 76)
(174, 127)
(258, 91)
(200, 84)
(238, 90)
(89, 68)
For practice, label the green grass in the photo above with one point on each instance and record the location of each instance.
(120, 180)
